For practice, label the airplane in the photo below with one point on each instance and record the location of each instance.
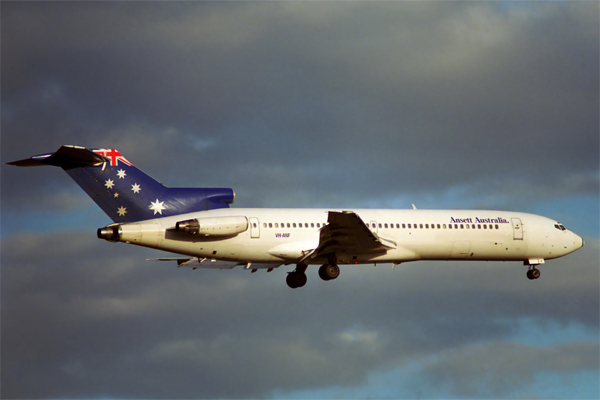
(198, 225)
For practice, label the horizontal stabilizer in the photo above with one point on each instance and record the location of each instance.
(67, 157)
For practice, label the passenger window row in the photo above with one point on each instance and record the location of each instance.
(292, 225)
(385, 226)
(434, 226)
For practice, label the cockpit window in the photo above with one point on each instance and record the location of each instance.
(560, 227)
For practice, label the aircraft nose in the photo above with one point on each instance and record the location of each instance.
(578, 241)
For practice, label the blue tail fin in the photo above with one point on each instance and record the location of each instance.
(125, 193)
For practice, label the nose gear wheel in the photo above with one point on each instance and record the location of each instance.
(533, 273)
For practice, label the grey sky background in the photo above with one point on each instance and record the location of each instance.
(443, 104)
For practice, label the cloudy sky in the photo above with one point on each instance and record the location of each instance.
(489, 105)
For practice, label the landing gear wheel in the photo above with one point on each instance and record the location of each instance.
(296, 279)
(533, 274)
(328, 272)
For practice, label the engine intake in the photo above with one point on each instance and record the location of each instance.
(217, 226)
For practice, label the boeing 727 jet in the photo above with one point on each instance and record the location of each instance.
(198, 225)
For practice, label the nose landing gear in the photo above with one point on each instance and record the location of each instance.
(533, 273)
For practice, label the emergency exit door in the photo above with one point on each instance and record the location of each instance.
(254, 227)
(517, 228)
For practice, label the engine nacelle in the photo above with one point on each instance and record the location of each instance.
(216, 226)
(112, 233)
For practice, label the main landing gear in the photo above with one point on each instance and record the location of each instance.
(533, 273)
(297, 278)
(328, 272)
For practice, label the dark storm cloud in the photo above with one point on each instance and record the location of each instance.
(292, 104)
(390, 98)
(88, 318)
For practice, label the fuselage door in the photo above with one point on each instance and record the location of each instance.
(517, 229)
(254, 227)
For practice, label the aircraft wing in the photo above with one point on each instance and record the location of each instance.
(346, 233)
(206, 263)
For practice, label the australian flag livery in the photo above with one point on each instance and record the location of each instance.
(124, 192)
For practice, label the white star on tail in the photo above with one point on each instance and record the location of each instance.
(157, 206)
(136, 188)
(121, 173)
(121, 211)
(109, 183)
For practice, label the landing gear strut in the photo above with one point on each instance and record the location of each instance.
(297, 278)
(533, 273)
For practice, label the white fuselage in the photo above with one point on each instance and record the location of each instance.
(284, 236)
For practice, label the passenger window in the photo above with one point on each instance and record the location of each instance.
(426, 226)
(449, 226)
(264, 224)
(491, 227)
(497, 227)
(421, 226)
(288, 224)
(409, 226)
(438, 226)
(312, 224)
(455, 226)
(404, 226)
(293, 225)
(443, 226)
(484, 226)
(462, 226)
(468, 226)
(385, 225)
(276, 225)
(270, 225)
(254, 225)
(318, 225)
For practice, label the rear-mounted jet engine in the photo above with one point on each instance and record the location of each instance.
(217, 226)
